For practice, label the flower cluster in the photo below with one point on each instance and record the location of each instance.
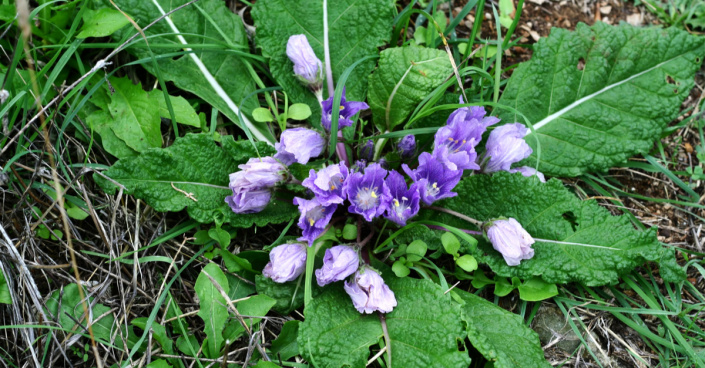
(370, 189)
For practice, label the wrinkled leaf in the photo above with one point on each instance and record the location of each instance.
(405, 76)
(549, 211)
(355, 29)
(213, 309)
(601, 94)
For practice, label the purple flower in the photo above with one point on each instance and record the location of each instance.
(405, 200)
(327, 184)
(529, 171)
(407, 147)
(506, 146)
(368, 193)
(286, 262)
(435, 180)
(339, 262)
(455, 143)
(314, 217)
(367, 151)
(299, 145)
(252, 185)
(510, 239)
(307, 67)
(369, 293)
(347, 110)
(249, 201)
(359, 166)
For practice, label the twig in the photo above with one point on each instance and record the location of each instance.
(188, 195)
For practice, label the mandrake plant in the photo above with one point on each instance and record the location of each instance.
(393, 175)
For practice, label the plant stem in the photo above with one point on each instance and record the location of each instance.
(458, 215)
(471, 232)
(326, 50)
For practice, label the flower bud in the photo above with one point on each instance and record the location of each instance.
(286, 262)
(252, 185)
(407, 147)
(369, 293)
(506, 146)
(249, 201)
(299, 145)
(367, 151)
(339, 262)
(511, 240)
(307, 67)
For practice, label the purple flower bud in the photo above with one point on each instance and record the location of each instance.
(347, 110)
(286, 262)
(454, 144)
(529, 171)
(249, 201)
(299, 145)
(367, 151)
(327, 184)
(510, 239)
(314, 217)
(407, 147)
(307, 67)
(368, 193)
(369, 293)
(252, 185)
(435, 180)
(506, 146)
(359, 166)
(405, 201)
(339, 262)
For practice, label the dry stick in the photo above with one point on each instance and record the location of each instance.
(23, 22)
(98, 65)
(458, 215)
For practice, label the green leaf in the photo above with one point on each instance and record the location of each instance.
(424, 328)
(451, 244)
(480, 280)
(221, 236)
(136, 121)
(158, 332)
(610, 244)
(234, 263)
(405, 76)
(506, 12)
(467, 262)
(349, 232)
(159, 363)
(215, 25)
(262, 115)
(416, 250)
(255, 306)
(213, 310)
(76, 212)
(535, 289)
(194, 164)
(288, 296)
(69, 300)
(500, 336)
(183, 111)
(399, 268)
(286, 346)
(356, 28)
(239, 288)
(101, 23)
(601, 94)
(5, 297)
(502, 287)
(299, 111)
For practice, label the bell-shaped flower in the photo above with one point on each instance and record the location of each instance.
(346, 111)
(368, 193)
(407, 147)
(252, 185)
(307, 67)
(286, 262)
(529, 171)
(339, 262)
(435, 180)
(314, 217)
(369, 293)
(506, 146)
(299, 145)
(327, 184)
(405, 200)
(511, 240)
(454, 144)
(249, 200)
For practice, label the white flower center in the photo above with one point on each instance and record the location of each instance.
(454, 145)
(400, 207)
(432, 189)
(315, 214)
(336, 181)
(367, 198)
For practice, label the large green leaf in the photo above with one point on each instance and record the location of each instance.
(610, 244)
(500, 336)
(405, 76)
(355, 29)
(213, 309)
(216, 24)
(601, 94)
(424, 328)
(194, 164)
